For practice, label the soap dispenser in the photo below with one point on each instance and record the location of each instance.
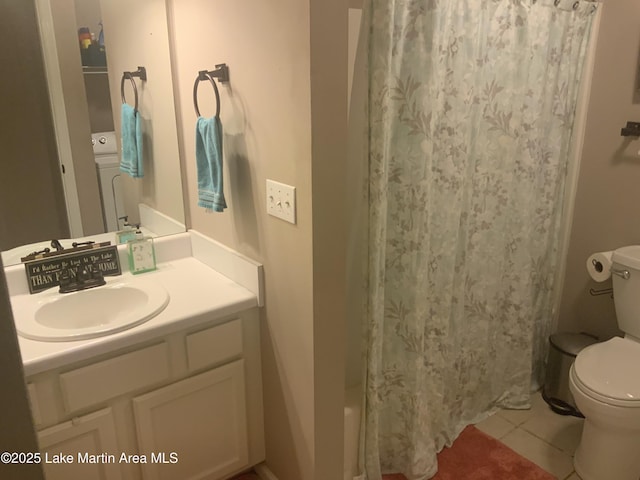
(128, 233)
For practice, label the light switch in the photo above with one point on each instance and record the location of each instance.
(281, 201)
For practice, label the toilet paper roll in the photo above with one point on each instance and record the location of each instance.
(599, 266)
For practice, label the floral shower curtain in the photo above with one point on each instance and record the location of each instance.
(470, 113)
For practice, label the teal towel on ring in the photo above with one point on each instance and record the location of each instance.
(131, 161)
(209, 164)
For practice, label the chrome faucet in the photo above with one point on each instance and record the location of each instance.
(57, 245)
(74, 279)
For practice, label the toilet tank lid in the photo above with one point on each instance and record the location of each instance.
(627, 256)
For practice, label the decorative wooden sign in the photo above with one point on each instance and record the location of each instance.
(45, 273)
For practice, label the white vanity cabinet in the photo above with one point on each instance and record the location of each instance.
(90, 434)
(199, 423)
(183, 406)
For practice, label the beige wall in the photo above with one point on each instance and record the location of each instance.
(140, 38)
(356, 200)
(284, 114)
(28, 155)
(606, 210)
(28, 158)
(329, 65)
(31, 195)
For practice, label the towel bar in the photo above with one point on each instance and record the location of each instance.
(221, 73)
(141, 72)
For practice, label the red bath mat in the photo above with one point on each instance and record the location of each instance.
(477, 456)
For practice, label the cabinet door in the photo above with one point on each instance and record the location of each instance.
(87, 445)
(197, 426)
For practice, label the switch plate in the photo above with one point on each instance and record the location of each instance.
(281, 201)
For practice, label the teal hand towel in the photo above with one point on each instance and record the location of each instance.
(132, 154)
(209, 164)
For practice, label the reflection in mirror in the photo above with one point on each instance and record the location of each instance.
(86, 103)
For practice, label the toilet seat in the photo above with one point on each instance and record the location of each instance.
(608, 372)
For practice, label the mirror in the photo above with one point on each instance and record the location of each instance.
(87, 100)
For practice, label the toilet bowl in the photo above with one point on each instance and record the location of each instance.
(605, 383)
(606, 388)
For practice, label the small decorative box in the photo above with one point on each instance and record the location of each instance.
(142, 256)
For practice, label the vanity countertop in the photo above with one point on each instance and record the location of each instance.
(199, 294)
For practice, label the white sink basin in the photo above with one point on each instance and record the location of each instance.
(116, 306)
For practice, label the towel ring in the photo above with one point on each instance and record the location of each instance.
(142, 73)
(222, 74)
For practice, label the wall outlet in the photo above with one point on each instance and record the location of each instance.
(281, 201)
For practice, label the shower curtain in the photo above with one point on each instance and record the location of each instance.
(470, 109)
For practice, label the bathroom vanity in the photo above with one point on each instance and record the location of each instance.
(178, 396)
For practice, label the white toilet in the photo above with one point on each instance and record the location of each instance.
(605, 383)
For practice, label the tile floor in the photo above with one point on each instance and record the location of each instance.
(546, 438)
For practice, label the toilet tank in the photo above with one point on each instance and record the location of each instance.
(626, 292)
